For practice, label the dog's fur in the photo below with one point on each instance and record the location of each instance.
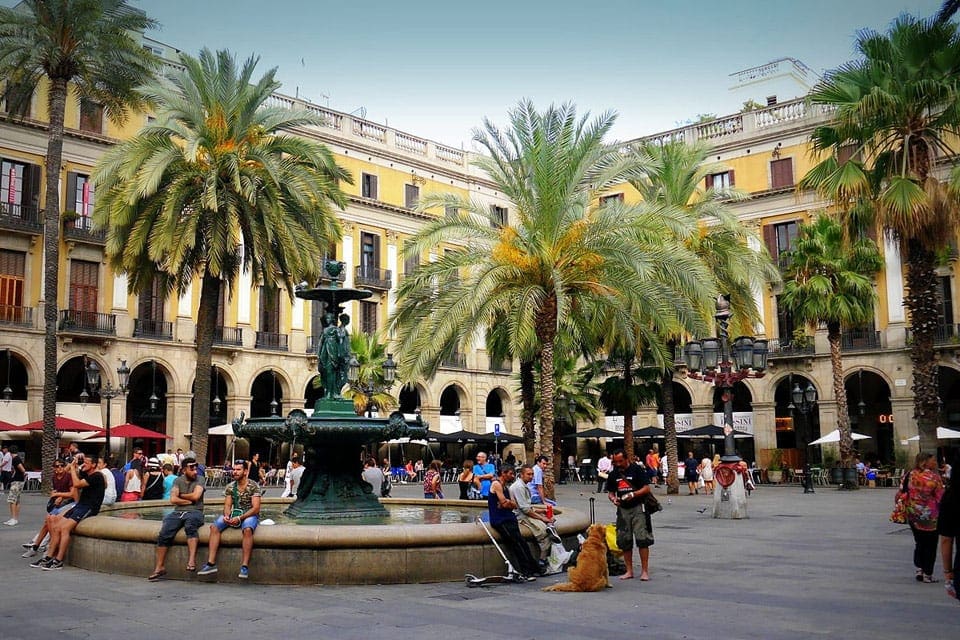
(591, 572)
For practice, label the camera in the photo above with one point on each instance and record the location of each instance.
(79, 458)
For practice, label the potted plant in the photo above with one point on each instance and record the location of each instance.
(775, 467)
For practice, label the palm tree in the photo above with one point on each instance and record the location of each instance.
(947, 10)
(370, 354)
(213, 186)
(90, 46)
(563, 262)
(895, 111)
(830, 280)
(735, 258)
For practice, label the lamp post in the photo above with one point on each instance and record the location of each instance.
(8, 390)
(804, 400)
(367, 386)
(717, 361)
(109, 392)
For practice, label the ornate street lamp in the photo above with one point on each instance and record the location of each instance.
(804, 400)
(8, 390)
(717, 361)
(108, 392)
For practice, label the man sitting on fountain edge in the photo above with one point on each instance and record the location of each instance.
(241, 510)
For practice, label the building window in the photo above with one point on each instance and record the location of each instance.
(779, 239)
(91, 116)
(451, 212)
(945, 303)
(369, 253)
(80, 199)
(19, 186)
(720, 181)
(84, 278)
(498, 216)
(785, 323)
(270, 309)
(411, 195)
(12, 272)
(410, 260)
(17, 99)
(151, 303)
(368, 317)
(615, 198)
(368, 186)
(781, 173)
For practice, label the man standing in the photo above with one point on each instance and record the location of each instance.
(604, 466)
(626, 487)
(653, 465)
(296, 472)
(241, 510)
(485, 472)
(17, 478)
(83, 472)
(6, 468)
(534, 521)
(504, 520)
(186, 496)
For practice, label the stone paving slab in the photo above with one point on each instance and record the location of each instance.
(801, 566)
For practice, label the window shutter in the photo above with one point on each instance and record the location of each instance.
(376, 251)
(709, 181)
(71, 201)
(781, 173)
(730, 173)
(770, 239)
(31, 185)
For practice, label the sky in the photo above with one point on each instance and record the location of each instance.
(436, 69)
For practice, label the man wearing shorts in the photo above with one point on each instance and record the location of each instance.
(186, 496)
(626, 487)
(17, 478)
(86, 478)
(241, 510)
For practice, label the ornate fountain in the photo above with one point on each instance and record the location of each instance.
(333, 435)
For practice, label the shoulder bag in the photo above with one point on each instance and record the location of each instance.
(900, 503)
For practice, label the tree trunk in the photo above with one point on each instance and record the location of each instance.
(546, 327)
(921, 300)
(528, 399)
(629, 411)
(51, 270)
(670, 428)
(206, 323)
(840, 393)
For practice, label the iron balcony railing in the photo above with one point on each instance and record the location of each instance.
(374, 277)
(457, 360)
(501, 366)
(81, 229)
(21, 217)
(789, 348)
(156, 329)
(228, 336)
(860, 340)
(18, 316)
(271, 341)
(73, 321)
(944, 334)
(312, 343)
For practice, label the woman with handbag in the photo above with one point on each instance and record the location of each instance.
(467, 481)
(924, 490)
(432, 489)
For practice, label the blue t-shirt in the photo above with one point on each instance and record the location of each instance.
(483, 469)
(168, 485)
(535, 497)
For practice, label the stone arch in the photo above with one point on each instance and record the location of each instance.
(15, 373)
(453, 398)
(412, 397)
(147, 394)
(795, 429)
(949, 381)
(311, 393)
(267, 387)
(869, 405)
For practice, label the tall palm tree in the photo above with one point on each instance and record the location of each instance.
(830, 280)
(370, 353)
(498, 349)
(896, 110)
(214, 186)
(562, 262)
(734, 256)
(88, 45)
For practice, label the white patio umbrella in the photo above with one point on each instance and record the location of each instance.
(834, 436)
(221, 430)
(943, 433)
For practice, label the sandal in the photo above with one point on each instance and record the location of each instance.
(191, 567)
(156, 575)
(929, 579)
(919, 575)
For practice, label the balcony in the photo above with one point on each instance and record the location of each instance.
(943, 335)
(153, 329)
(373, 277)
(21, 217)
(783, 349)
(81, 230)
(860, 340)
(87, 322)
(271, 341)
(455, 361)
(16, 316)
(227, 337)
(501, 366)
(312, 343)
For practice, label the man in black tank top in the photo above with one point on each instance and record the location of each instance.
(504, 520)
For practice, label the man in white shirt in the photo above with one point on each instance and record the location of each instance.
(6, 467)
(604, 467)
(296, 472)
(533, 520)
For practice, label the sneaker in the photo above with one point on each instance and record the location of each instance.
(554, 536)
(43, 547)
(207, 569)
(30, 552)
(28, 545)
(11, 522)
(528, 578)
(53, 565)
(39, 564)
(244, 573)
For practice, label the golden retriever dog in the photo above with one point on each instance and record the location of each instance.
(591, 572)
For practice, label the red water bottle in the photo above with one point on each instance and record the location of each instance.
(549, 512)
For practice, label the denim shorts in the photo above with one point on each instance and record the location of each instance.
(248, 523)
(189, 521)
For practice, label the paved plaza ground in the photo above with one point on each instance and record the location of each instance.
(801, 566)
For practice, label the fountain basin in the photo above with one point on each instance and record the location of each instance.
(305, 554)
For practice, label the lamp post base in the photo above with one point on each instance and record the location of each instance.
(730, 503)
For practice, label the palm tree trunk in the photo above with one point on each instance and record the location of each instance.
(840, 393)
(51, 269)
(922, 303)
(206, 323)
(670, 427)
(546, 328)
(629, 411)
(528, 398)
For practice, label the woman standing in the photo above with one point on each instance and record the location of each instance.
(706, 474)
(924, 490)
(690, 473)
(132, 487)
(431, 482)
(467, 481)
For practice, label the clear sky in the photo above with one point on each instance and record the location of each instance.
(436, 68)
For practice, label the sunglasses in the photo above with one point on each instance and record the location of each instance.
(190, 466)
